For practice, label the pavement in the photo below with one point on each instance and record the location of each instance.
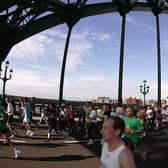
(73, 152)
(36, 153)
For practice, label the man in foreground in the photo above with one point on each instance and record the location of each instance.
(115, 154)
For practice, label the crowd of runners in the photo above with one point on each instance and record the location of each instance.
(86, 119)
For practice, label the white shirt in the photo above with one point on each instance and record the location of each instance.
(149, 113)
(165, 115)
(62, 113)
(9, 110)
(110, 159)
(93, 114)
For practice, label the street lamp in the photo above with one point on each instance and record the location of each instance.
(144, 90)
(5, 78)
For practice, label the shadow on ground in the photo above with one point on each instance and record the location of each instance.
(58, 158)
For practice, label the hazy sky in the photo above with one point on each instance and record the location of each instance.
(93, 59)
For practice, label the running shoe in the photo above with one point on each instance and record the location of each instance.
(17, 153)
(31, 133)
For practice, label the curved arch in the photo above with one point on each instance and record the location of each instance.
(59, 17)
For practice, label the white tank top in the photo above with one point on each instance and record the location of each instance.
(110, 159)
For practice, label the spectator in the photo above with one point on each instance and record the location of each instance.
(100, 114)
(87, 120)
(107, 110)
(10, 113)
(52, 121)
(70, 117)
(21, 109)
(164, 121)
(149, 118)
(92, 124)
(43, 115)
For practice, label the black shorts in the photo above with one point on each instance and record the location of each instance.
(5, 132)
(129, 143)
(10, 119)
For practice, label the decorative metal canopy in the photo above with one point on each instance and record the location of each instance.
(20, 19)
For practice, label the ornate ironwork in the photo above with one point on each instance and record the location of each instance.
(5, 77)
(144, 90)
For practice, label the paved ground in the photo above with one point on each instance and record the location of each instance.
(68, 154)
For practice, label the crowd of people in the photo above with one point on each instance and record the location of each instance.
(119, 128)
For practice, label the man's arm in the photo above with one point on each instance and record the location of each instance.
(1, 118)
(126, 159)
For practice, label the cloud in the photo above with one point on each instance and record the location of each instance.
(40, 81)
(52, 33)
(164, 45)
(52, 42)
(132, 19)
(31, 83)
(78, 49)
(102, 37)
(32, 48)
(132, 56)
(91, 78)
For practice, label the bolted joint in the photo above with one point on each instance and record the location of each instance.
(156, 6)
(156, 10)
(123, 6)
(74, 15)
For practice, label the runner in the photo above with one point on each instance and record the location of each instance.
(4, 131)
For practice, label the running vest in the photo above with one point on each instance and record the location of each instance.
(110, 159)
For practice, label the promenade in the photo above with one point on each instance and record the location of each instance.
(71, 153)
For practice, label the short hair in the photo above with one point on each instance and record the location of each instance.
(118, 123)
(119, 110)
(8, 99)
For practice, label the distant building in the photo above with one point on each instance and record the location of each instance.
(152, 103)
(132, 101)
(114, 101)
(127, 101)
(103, 100)
(167, 101)
(93, 100)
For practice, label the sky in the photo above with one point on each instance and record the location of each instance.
(92, 67)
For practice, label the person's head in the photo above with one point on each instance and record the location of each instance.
(129, 112)
(88, 103)
(113, 127)
(91, 107)
(164, 107)
(25, 99)
(119, 111)
(7, 100)
(106, 107)
(22, 100)
(50, 106)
